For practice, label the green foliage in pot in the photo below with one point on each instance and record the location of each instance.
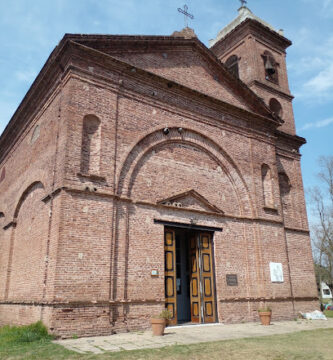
(265, 309)
(165, 314)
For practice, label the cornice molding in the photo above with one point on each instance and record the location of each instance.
(235, 84)
(43, 87)
(288, 142)
(271, 89)
(64, 56)
(254, 28)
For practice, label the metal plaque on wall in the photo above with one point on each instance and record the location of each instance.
(232, 280)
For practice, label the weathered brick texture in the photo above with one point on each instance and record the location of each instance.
(78, 241)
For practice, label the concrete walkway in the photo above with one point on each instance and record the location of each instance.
(191, 334)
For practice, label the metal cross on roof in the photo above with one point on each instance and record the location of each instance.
(243, 2)
(186, 15)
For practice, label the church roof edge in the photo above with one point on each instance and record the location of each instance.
(49, 72)
(246, 15)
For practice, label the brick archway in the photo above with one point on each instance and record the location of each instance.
(158, 139)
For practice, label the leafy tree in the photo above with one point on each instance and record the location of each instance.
(322, 227)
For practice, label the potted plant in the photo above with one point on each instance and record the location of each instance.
(158, 322)
(265, 314)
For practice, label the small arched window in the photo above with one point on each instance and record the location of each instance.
(232, 65)
(285, 187)
(91, 145)
(271, 71)
(276, 107)
(267, 186)
(284, 184)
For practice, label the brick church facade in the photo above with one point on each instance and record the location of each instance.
(148, 171)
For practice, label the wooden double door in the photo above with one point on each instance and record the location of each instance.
(189, 276)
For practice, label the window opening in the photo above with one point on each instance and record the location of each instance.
(276, 107)
(270, 64)
(232, 65)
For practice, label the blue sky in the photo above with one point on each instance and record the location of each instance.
(29, 30)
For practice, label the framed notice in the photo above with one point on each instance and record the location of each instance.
(276, 272)
(232, 280)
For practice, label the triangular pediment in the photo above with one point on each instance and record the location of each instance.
(190, 199)
(182, 60)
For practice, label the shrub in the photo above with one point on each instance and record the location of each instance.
(21, 334)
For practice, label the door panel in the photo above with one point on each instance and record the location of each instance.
(207, 286)
(208, 296)
(202, 288)
(194, 280)
(170, 274)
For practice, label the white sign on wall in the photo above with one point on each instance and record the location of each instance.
(276, 272)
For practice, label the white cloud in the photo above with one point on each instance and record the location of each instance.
(306, 65)
(318, 124)
(322, 83)
(315, 71)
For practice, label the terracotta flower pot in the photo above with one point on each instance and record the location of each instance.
(158, 326)
(265, 317)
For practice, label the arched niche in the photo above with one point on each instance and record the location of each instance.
(267, 186)
(285, 192)
(31, 188)
(91, 145)
(232, 65)
(275, 107)
(29, 241)
(284, 183)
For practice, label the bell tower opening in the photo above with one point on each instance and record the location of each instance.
(260, 51)
(271, 72)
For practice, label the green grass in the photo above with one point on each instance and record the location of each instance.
(33, 342)
(328, 313)
(12, 335)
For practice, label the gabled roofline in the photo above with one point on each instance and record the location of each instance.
(196, 195)
(39, 88)
(50, 77)
(253, 24)
(232, 81)
(125, 66)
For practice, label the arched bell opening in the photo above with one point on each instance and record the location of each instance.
(270, 65)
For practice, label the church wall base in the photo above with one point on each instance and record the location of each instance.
(20, 314)
(237, 311)
(105, 319)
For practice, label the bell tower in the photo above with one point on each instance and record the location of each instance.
(256, 53)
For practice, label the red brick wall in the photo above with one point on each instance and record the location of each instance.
(33, 170)
(19, 314)
(83, 256)
(4, 259)
(26, 278)
(249, 49)
(98, 230)
(188, 68)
